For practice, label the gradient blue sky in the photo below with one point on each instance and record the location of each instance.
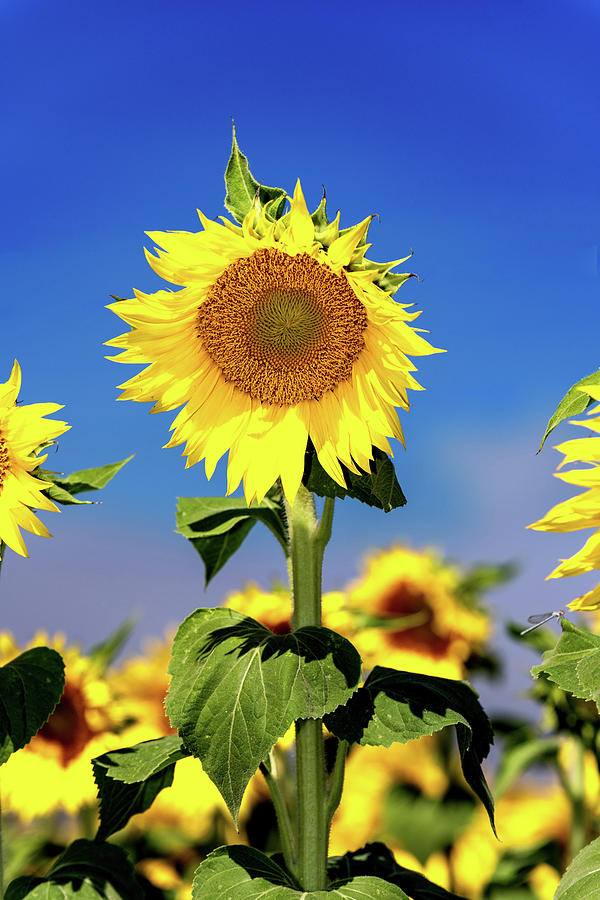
(471, 128)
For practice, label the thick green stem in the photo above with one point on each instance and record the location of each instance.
(307, 544)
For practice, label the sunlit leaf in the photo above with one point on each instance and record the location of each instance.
(217, 526)
(581, 881)
(64, 487)
(403, 706)
(242, 187)
(236, 688)
(130, 779)
(242, 872)
(573, 403)
(574, 663)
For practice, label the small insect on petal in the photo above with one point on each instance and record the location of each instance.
(542, 618)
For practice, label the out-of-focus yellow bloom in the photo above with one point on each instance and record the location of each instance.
(543, 881)
(160, 872)
(53, 772)
(280, 334)
(371, 772)
(422, 626)
(436, 869)
(23, 430)
(583, 510)
(273, 608)
(526, 816)
(357, 819)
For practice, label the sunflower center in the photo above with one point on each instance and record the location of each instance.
(4, 459)
(282, 328)
(67, 727)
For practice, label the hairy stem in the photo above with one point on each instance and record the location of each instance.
(308, 539)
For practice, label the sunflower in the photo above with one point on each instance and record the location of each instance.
(53, 772)
(279, 334)
(23, 432)
(583, 510)
(417, 621)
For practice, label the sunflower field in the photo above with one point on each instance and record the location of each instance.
(292, 741)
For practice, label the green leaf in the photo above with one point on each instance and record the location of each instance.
(242, 873)
(403, 706)
(64, 487)
(140, 761)
(242, 187)
(217, 526)
(129, 779)
(237, 688)
(573, 403)
(377, 859)
(30, 687)
(581, 881)
(574, 663)
(517, 758)
(380, 488)
(88, 870)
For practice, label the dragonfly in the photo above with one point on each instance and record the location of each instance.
(542, 618)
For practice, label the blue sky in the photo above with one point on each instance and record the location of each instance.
(470, 128)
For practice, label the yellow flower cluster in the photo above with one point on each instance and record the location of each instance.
(583, 510)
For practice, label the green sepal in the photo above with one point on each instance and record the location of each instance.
(378, 488)
(236, 688)
(319, 217)
(403, 706)
(245, 873)
(581, 881)
(574, 663)
(64, 487)
(217, 526)
(30, 687)
(130, 779)
(242, 187)
(377, 859)
(572, 404)
(87, 870)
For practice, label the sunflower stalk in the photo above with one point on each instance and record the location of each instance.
(308, 539)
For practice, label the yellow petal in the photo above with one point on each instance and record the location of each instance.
(301, 228)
